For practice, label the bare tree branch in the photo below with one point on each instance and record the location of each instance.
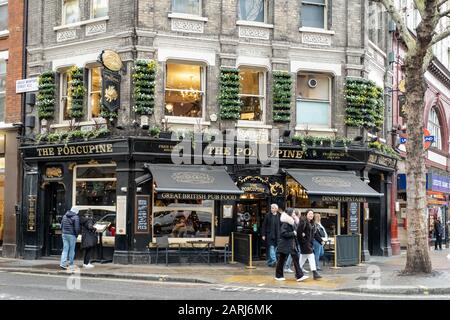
(439, 37)
(440, 4)
(444, 14)
(427, 59)
(420, 6)
(398, 19)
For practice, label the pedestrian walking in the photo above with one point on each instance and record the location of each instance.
(318, 246)
(438, 233)
(271, 233)
(70, 226)
(288, 245)
(288, 265)
(306, 235)
(89, 238)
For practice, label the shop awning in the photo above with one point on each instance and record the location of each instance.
(193, 182)
(332, 185)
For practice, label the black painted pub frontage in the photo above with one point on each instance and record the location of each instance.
(133, 186)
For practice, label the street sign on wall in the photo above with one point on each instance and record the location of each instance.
(27, 85)
(428, 139)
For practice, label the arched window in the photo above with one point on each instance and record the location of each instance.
(435, 128)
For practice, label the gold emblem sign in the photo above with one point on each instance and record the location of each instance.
(53, 172)
(111, 94)
(111, 60)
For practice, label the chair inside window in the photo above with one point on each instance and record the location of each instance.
(221, 247)
(164, 244)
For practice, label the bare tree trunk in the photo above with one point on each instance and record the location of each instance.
(418, 259)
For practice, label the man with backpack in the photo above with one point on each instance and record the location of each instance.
(70, 226)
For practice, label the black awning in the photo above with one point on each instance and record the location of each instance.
(332, 185)
(143, 179)
(193, 182)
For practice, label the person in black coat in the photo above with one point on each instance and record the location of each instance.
(288, 245)
(88, 237)
(306, 233)
(270, 232)
(438, 232)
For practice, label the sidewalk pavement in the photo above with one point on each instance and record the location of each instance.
(379, 275)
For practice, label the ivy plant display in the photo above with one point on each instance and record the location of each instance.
(106, 114)
(385, 149)
(365, 104)
(144, 86)
(73, 135)
(76, 93)
(229, 101)
(46, 96)
(313, 141)
(282, 94)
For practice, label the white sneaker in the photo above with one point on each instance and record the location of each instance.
(280, 279)
(305, 271)
(289, 271)
(88, 266)
(302, 278)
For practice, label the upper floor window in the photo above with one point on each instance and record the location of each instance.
(193, 7)
(184, 90)
(252, 10)
(94, 92)
(66, 101)
(435, 128)
(71, 11)
(252, 94)
(99, 8)
(3, 15)
(313, 99)
(2, 89)
(314, 14)
(376, 25)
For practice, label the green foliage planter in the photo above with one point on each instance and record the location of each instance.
(313, 141)
(384, 149)
(365, 104)
(71, 136)
(282, 94)
(229, 101)
(76, 93)
(144, 86)
(46, 96)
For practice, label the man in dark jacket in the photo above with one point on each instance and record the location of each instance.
(306, 233)
(271, 233)
(88, 237)
(438, 232)
(70, 226)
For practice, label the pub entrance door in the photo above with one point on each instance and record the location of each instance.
(54, 208)
(249, 217)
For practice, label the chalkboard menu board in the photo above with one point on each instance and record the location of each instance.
(353, 209)
(142, 214)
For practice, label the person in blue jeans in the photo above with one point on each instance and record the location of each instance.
(70, 226)
(318, 246)
(270, 232)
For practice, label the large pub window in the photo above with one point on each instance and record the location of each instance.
(94, 187)
(183, 220)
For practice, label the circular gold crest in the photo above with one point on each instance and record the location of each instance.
(193, 178)
(331, 182)
(111, 60)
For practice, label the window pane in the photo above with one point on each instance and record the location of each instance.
(313, 16)
(2, 107)
(66, 100)
(2, 75)
(183, 76)
(316, 1)
(71, 11)
(313, 86)
(95, 91)
(3, 17)
(251, 108)
(96, 193)
(184, 103)
(309, 112)
(250, 82)
(251, 10)
(186, 6)
(96, 172)
(435, 128)
(100, 8)
(182, 224)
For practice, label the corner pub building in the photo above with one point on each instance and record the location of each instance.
(133, 184)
